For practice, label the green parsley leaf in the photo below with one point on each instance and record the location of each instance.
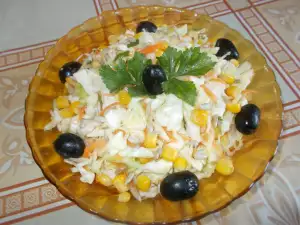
(175, 63)
(117, 78)
(137, 91)
(169, 61)
(122, 55)
(185, 90)
(136, 66)
(124, 73)
(134, 43)
(188, 62)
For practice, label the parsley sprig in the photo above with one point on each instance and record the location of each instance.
(175, 64)
(123, 73)
(188, 62)
(182, 63)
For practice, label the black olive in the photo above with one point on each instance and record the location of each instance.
(68, 70)
(69, 145)
(146, 26)
(153, 76)
(226, 46)
(247, 120)
(179, 186)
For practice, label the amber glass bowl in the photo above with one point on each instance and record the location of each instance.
(215, 192)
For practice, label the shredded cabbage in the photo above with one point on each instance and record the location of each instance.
(167, 119)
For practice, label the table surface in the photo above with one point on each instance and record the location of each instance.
(29, 28)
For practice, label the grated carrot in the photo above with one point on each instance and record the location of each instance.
(120, 130)
(109, 107)
(81, 112)
(218, 80)
(145, 134)
(212, 96)
(86, 153)
(170, 135)
(153, 48)
(100, 143)
(199, 145)
(205, 137)
(144, 104)
(210, 74)
(108, 94)
(185, 137)
(162, 139)
(130, 144)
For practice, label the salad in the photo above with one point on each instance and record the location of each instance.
(154, 112)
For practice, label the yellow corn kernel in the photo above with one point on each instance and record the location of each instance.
(235, 62)
(180, 163)
(119, 183)
(158, 53)
(217, 132)
(143, 183)
(104, 179)
(199, 117)
(124, 97)
(233, 107)
(66, 113)
(164, 46)
(200, 42)
(145, 160)
(120, 178)
(169, 153)
(75, 106)
(138, 35)
(225, 166)
(124, 197)
(150, 140)
(62, 102)
(229, 79)
(232, 91)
